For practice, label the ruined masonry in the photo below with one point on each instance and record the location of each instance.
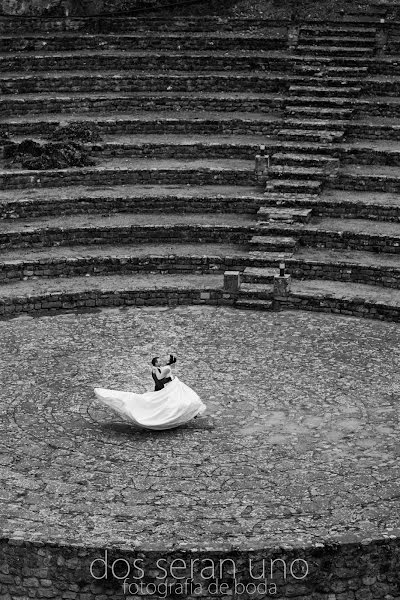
(182, 107)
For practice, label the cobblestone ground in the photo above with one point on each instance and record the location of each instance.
(300, 441)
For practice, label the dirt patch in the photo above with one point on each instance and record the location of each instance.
(29, 154)
(70, 148)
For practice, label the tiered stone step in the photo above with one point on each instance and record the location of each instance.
(353, 234)
(311, 135)
(187, 147)
(312, 90)
(324, 80)
(376, 106)
(337, 114)
(324, 155)
(126, 135)
(305, 160)
(93, 261)
(338, 41)
(272, 259)
(347, 298)
(140, 60)
(378, 206)
(345, 265)
(375, 206)
(341, 50)
(149, 122)
(323, 102)
(258, 275)
(269, 77)
(87, 293)
(255, 296)
(371, 268)
(37, 202)
(128, 228)
(145, 24)
(314, 68)
(144, 81)
(270, 243)
(294, 186)
(97, 260)
(290, 215)
(376, 10)
(376, 152)
(219, 102)
(253, 303)
(135, 171)
(296, 172)
(139, 40)
(360, 107)
(339, 30)
(313, 124)
(256, 291)
(42, 202)
(369, 178)
(114, 103)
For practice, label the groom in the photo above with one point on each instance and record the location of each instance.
(156, 362)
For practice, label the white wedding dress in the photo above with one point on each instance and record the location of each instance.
(169, 407)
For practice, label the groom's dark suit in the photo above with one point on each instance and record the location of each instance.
(159, 383)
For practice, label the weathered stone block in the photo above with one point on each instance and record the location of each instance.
(232, 281)
(282, 285)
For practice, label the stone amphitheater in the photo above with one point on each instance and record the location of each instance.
(228, 150)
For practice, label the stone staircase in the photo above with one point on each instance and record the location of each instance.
(182, 108)
(319, 91)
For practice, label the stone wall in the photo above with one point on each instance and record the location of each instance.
(174, 234)
(358, 570)
(380, 275)
(56, 302)
(51, 7)
(354, 307)
(102, 176)
(77, 7)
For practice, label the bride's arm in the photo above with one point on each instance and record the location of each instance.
(165, 372)
(162, 372)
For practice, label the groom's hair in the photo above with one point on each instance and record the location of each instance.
(154, 360)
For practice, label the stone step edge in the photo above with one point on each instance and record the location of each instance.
(252, 262)
(302, 215)
(336, 303)
(257, 267)
(253, 304)
(296, 231)
(316, 203)
(56, 303)
(273, 240)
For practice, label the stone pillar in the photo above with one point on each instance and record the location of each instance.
(261, 168)
(282, 286)
(380, 41)
(293, 36)
(232, 281)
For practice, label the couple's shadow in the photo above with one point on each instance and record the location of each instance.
(121, 429)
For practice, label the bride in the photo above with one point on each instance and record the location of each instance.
(171, 404)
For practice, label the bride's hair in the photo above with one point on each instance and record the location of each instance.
(154, 360)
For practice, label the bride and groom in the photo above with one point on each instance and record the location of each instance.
(172, 403)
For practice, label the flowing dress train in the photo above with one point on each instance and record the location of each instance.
(169, 407)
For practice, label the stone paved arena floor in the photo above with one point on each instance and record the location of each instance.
(300, 441)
